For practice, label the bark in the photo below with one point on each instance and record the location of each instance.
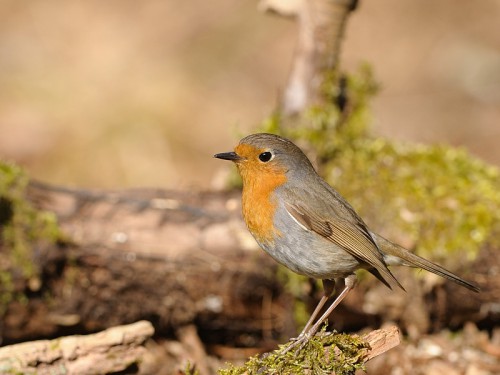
(115, 349)
(381, 340)
(169, 257)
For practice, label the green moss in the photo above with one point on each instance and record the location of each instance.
(189, 369)
(21, 227)
(442, 198)
(438, 198)
(324, 354)
(325, 130)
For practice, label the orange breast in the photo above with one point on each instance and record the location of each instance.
(259, 204)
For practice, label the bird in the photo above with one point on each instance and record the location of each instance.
(310, 228)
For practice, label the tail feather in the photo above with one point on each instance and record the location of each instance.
(397, 255)
(379, 276)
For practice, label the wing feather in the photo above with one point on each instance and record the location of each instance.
(354, 238)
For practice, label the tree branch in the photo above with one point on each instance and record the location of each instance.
(109, 351)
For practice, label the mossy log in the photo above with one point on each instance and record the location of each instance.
(122, 349)
(173, 258)
(325, 353)
(169, 257)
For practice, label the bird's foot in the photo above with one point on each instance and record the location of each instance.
(297, 342)
(300, 341)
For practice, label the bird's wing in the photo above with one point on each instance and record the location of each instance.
(352, 237)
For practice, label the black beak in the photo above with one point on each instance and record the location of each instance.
(233, 156)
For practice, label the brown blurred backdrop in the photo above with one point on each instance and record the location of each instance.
(124, 93)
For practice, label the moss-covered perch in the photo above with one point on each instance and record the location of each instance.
(325, 353)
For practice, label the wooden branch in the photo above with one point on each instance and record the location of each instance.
(109, 351)
(381, 340)
(321, 29)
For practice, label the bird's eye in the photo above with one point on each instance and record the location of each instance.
(265, 156)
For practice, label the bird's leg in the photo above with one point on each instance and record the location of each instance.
(328, 289)
(350, 283)
(304, 337)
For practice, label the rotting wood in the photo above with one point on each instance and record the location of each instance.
(169, 257)
(381, 340)
(109, 351)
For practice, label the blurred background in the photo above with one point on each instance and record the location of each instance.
(125, 94)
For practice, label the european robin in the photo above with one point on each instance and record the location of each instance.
(307, 226)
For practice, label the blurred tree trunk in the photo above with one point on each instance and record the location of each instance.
(321, 30)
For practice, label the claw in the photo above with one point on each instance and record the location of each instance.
(311, 329)
(301, 340)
